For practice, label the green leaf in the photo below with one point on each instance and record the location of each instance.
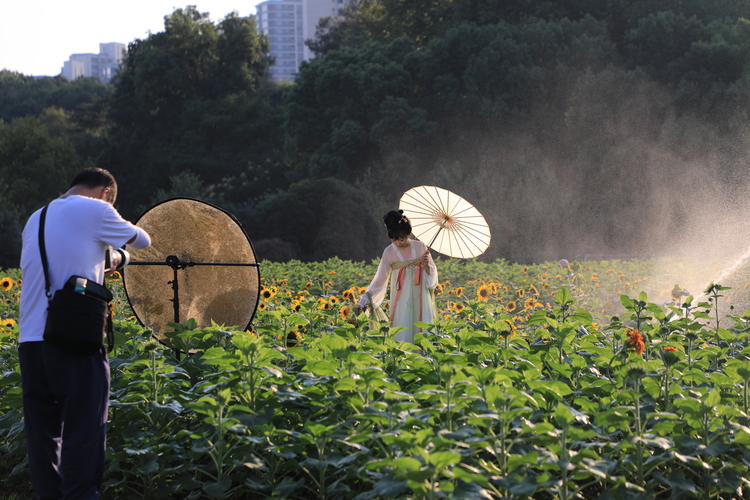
(387, 487)
(676, 480)
(219, 488)
(406, 464)
(443, 459)
(563, 416)
(322, 368)
(713, 398)
(627, 302)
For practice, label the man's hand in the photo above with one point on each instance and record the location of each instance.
(114, 262)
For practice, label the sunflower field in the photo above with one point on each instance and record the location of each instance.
(612, 380)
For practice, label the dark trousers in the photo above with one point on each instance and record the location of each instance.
(65, 403)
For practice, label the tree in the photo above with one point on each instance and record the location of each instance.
(35, 167)
(322, 217)
(191, 98)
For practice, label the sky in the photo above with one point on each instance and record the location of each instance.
(38, 36)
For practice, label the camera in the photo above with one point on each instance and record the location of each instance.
(122, 256)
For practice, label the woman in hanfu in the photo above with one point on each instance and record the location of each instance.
(413, 276)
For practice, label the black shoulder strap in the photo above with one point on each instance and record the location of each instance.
(43, 251)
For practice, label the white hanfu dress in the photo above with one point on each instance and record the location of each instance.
(412, 296)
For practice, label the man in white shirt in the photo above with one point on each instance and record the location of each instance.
(65, 395)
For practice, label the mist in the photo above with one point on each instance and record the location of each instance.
(612, 170)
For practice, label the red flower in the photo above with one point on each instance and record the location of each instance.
(635, 340)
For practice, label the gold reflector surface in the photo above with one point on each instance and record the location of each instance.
(216, 275)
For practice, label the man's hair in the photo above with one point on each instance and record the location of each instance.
(96, 177)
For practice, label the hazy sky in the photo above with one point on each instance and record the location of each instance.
(38, 36)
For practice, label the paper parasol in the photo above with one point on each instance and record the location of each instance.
(451, 224)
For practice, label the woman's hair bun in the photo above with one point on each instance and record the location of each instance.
(397, 224)
(394, 218)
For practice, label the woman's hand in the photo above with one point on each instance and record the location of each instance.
(425, 258)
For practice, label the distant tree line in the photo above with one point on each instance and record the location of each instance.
(577, 127)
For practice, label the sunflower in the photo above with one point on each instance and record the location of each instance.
(483, 293)
(8, 323)
(262, 306)
(344, 312)
(635, 340)
(533, 290)
(333, 299)
(511, 306)
(309, 284)
(520, 293)
(670, 355)
(324, 304)
(528, 303)
(267, 293)
(348, 295)
(6, 284)
(459, 291)
(296, 305)
(293, 338)
(456, 307)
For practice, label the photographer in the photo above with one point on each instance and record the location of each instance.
(66, 395)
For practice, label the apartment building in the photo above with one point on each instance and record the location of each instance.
(288, 23)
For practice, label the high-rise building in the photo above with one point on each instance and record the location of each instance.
(103, 65)
(288, 23)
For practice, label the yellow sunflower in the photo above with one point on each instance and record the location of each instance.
(511, 306)
(6, 284)
(8, 323)
(457, 307)
(520, 293)
(459, 291)
(262, 306)
(483, 293)
(267, 293)
(344, 312)
(293, 338)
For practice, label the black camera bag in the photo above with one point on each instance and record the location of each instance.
(77, 322)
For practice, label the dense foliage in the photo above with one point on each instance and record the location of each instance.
(535, 382)
(577, 127)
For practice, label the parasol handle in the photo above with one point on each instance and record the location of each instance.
(435, 237)
(446, 218)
